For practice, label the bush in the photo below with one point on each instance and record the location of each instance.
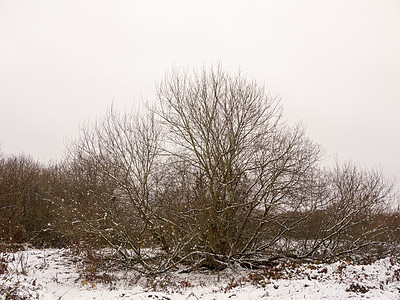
(26, 211)
(210, 176)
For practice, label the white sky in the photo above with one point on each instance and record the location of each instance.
(335, 64)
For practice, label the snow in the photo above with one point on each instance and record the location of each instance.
(58, 274)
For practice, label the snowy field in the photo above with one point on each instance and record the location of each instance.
(60, 274)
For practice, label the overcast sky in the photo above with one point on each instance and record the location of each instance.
(335, 65)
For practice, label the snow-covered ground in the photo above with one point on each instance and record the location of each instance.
(59, 274)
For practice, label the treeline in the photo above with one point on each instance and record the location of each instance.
(209, 176)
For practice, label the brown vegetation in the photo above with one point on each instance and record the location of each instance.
(209, 177)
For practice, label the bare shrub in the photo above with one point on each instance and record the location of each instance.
(357, 217)
(117, 159)
(25, 213)
(214, 176)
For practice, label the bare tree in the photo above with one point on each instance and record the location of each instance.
(354, 218)
(120, 153)
(213, 176)
(247, 166)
